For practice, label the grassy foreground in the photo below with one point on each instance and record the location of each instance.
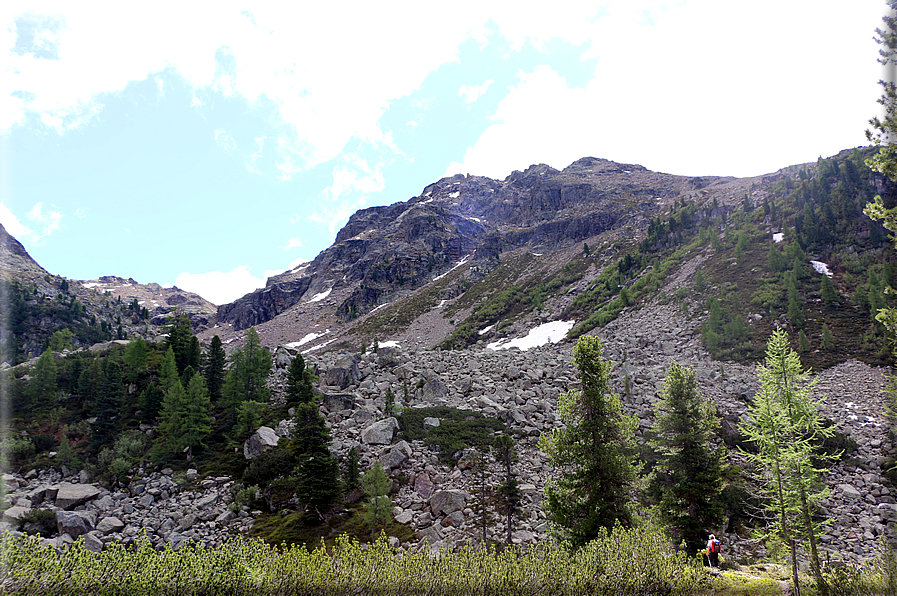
(634, 561)
(622, 562)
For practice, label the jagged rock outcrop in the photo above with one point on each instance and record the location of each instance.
(385, 251)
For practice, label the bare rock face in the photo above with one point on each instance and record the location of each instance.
(261, 440)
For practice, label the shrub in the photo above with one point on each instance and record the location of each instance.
(458, 429)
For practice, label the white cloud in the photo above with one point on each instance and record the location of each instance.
(293, 243)
(334, 217)
(46, 223)
(224, 140)
(220, 287)
(13, 225)
(676, 90)
(471, 93)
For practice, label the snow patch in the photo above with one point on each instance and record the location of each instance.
(319, 346)
(458, 264)
(821, 267)
(485, 330)
(624, 171)
(388, 344)
(778, 237)
(442, 303)
(306, 339)
(454, 195)
(553, 332)
(319, 297)
(92, 284)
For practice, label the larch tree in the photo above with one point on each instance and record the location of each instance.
(688, 477)
(44, 386)
(376, 490)
(593, 453)
(784, 426)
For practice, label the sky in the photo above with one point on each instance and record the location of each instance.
(210, 145)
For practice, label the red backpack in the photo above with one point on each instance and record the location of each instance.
(714, 546)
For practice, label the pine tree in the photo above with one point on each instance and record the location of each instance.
(376, 488)
(481, 491)
(593, 452)
(107, 405)
(688, 477)
(179, 340)
(318, 469)
(350, 473)
(214, 368)
(784, 426)
(508, 492)
(299, 388)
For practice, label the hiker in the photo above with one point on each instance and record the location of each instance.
(713, 552)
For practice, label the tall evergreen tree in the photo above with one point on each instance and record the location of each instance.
(687, 479)
(593, 452)
(179, 340)
(784, 425)
(213, 370)
(107, 405)
(299, 388)
(318, 469)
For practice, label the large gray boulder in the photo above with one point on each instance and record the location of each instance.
(110, 524)
(261, 440)
(335, 402)
(70, 495)
(396, 456)
(434, 391)
(381, 432)
(75, 523)
(447, 501)
(343, 373)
